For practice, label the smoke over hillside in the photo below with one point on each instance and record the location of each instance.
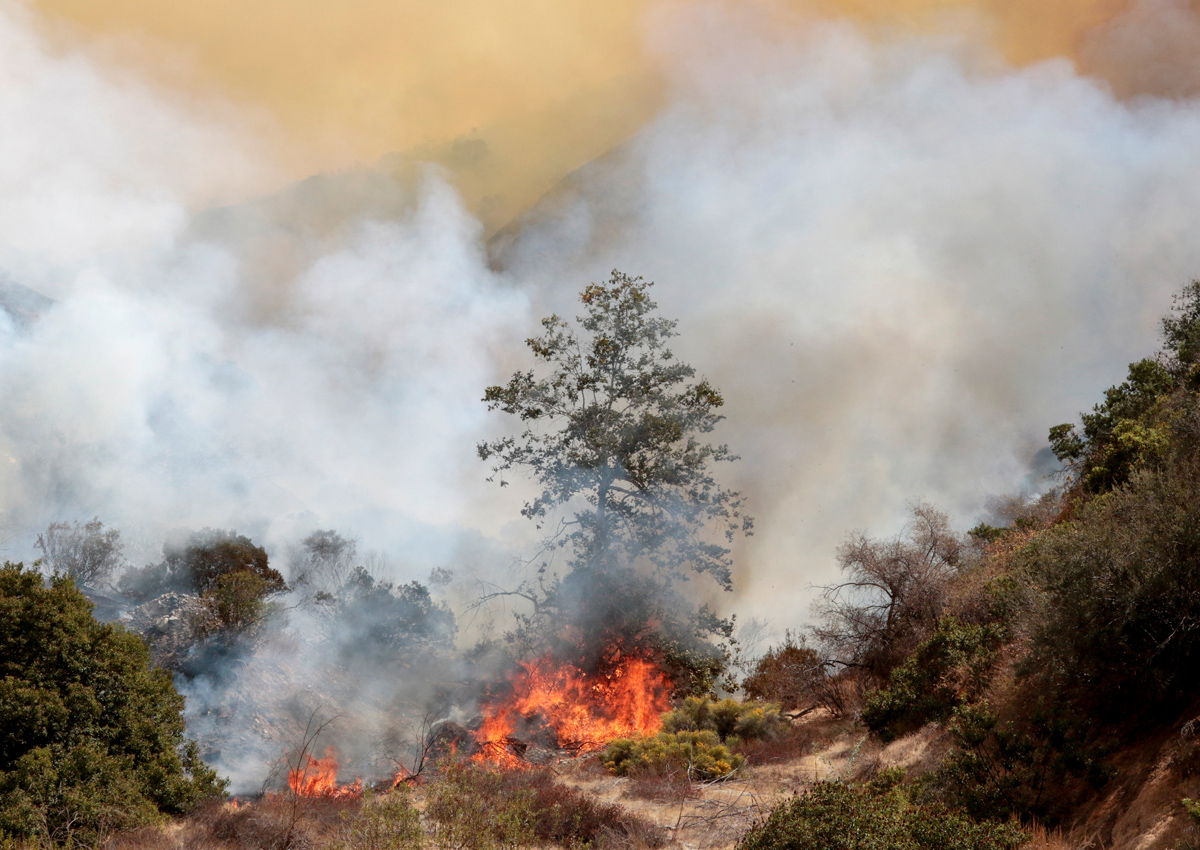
(903, 238)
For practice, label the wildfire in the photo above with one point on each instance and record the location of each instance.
(318, 778)
(585, 711)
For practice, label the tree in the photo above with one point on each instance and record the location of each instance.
(377, 620)
(197, 563)
(324, 561)
(613, 435)
(87, 553)
(91, 735)
(894, 593)
(1132, 427)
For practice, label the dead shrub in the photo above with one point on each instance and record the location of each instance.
(660, 784)
(568, 816)
(275, 822)
(145, 838)
(787, 744)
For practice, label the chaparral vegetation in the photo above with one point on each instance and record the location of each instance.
(1030, 682)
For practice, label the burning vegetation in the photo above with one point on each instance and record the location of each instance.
(984, 649)
(566, 708)
(317, 777)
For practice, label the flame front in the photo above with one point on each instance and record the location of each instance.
(586, 711)
(318, 778)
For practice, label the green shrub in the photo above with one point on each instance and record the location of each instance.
(1039, 765)
(879, 816)
(950, 668)
(469, 810)
(236, 604)
(1117, 628)
(91, 736)
(728, 718)
(195, 564)
(700, 755)
(387, 822)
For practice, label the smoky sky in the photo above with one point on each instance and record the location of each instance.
(902, 256)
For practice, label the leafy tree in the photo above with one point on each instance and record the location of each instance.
(197, 563)
(614, 435)
(1119, 433)
(1133, 425)
(87, 553)
(324, 561)
(1117, 593)
(236, 605)
(949, 669)
(91, 736)
(1181, 334)
(1040, 763)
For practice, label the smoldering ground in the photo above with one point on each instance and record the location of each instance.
(904, 239)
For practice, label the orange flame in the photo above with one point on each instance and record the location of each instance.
(586, 711)
(318, 778)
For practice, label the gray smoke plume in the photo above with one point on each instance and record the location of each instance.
(901, 259)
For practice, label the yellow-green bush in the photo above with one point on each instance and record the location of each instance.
(700, 753)
(727, 718)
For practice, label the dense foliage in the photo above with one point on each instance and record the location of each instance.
(379, 620)
(196, 563)
(838, 816)
(87, 552)
(1087, 599)
(791, 674)
(696, 755)
(91, 737)
(950, 668)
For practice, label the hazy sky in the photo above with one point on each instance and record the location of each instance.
(905, 238)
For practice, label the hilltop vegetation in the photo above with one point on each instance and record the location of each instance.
(1044, 646)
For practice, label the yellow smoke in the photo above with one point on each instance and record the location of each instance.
(545, 85)
(1025, 31)
(509, 94)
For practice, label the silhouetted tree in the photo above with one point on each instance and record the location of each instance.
(614, 435)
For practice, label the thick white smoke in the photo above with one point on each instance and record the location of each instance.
(901, 260)
(154, 392)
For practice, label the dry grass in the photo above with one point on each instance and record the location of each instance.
(1041, 838)
(661, 786)
(272, 823)
(796, 742)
